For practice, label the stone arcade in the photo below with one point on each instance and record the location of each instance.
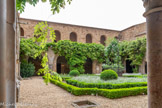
(85, 35)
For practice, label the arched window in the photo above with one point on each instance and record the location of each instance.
(21, 31)
(73, 36)
(102, 40)
(88, 38)
(58, 35)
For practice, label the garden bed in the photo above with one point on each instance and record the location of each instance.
(109, 93)
(96, 79)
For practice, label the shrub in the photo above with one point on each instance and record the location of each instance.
(27, 69)
(108, 74)
(104, 85)
(74, 73)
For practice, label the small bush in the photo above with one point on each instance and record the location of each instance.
(108, 75)
(27, 69)
(74, 73)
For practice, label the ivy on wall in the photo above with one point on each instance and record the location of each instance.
(76, 53)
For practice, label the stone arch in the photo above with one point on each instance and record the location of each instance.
(88, 66)
(58, 35)
(102, 40)
(62, 66)
(21, 31)
(73, 36)
(88, 38)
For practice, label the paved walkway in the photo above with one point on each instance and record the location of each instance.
(35, 94)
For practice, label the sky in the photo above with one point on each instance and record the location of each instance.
(107, 14)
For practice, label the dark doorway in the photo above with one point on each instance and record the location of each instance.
(37, 64)
(129, 68)
(62, 66)
(88, 66)
(59, 68)
(145, 67)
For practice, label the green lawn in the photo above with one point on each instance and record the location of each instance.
(96, 79)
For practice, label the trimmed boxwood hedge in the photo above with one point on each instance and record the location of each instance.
(109, 93)
(136, 76)
(105, 85)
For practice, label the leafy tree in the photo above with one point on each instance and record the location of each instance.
(112, 53)
(56, 5)
(128, 50)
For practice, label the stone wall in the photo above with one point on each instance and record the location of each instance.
(85, 35)
(133, 32)
(66, 29)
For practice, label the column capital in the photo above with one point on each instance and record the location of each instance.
(152, 6)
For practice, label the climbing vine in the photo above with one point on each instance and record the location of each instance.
(35, 47)
(76, 53)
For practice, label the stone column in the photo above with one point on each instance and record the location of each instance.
(11, 52)
(7, 53)
(153, 16)
(3, 15)
(51, 56)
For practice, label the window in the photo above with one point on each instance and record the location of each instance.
(73, 37)
(88, 38)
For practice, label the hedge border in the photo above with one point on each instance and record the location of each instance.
(104, 85)
(136, 76)
(108, 93)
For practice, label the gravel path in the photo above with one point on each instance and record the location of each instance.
(35, 94)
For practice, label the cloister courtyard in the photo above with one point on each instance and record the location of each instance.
(53, 64)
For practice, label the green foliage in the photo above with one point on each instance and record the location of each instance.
(113, 67)
(28, 48)
(27, 69)
(74, 73)
(36, 47)
(109, 93)
(41, 31)
(136, 76)
(105, 85)
(76, 53)
(112, 52)
(108, 75)
(127, 50)
(56, 5)
(134, 51)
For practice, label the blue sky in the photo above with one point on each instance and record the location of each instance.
(108, 14)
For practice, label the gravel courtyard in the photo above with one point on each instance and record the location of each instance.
(35, 94)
